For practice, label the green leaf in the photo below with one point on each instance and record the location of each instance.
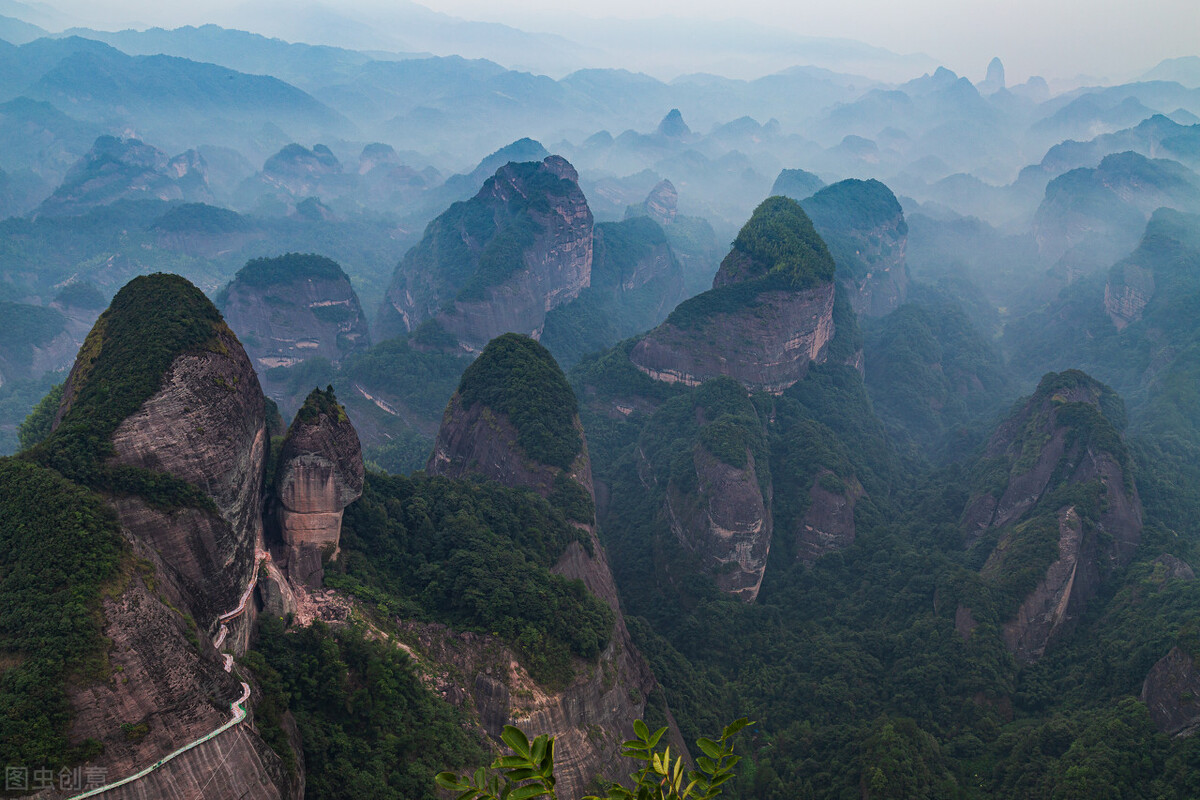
(526, 792)
(511, 762)
(516, 739)
(538, 751)
(641, 730)
(707, 764)
(657, 735)
(448, 780)
(734, 727)
(710, 748)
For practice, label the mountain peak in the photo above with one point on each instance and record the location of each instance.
(673, 126)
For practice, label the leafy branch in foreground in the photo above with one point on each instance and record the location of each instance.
(529, 772)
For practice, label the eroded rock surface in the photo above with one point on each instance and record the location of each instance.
(500, 261)
(1172, 693)
(828, 525)
(726, 521)
(320, 473)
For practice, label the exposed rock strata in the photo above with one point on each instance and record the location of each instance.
(1060, 438)
(1126, 294)
(828, 525)
(727, 522)
(207, 426)
(320, 473)
(767, 347)
(592, 716)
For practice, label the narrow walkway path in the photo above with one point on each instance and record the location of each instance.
(237, 707)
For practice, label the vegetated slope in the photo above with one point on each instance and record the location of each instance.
(498, 262)
(767, 317)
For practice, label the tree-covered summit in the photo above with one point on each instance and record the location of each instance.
(321, 402)
(778, 239)
(854, 204)
(517, 377)
(288, 268)
(153, 320)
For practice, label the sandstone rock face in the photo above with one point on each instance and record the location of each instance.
(306, 315)
(828, 524)
(1126, 294)
(320, 473)
(768, 315)
(1172, 693)
(537, 211)
(1052, 608)
(206, 426)
(478, 441)
(179, 695)
(766, 348)
(727, 521)
(1060, 438)
(661, 203)
(592, 716)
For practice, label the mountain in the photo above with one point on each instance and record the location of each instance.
(498, 262)
(161, 402)
(115, 169)
(768, 315)
(864, 227)
(290, 309)
(1062, 496)
(1090, 217)
(797, 184)
(103, 86)
(320, 472)
(495, 427)
(636, 281)
(1185, 71)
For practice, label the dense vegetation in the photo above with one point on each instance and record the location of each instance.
(776, 250)
(369, 727)
(263, 272)
(932, 376)
(476, 556)
(60, 545)
(607, 312)
(862, 685)
(151, 322)
(517, 377)
(854, 216)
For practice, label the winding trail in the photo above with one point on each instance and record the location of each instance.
(237, 707)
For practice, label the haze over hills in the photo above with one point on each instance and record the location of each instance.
(369, 390)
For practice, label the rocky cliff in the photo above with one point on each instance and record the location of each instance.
(1062, 488)
(636, 281)
(320, 473)
(514, 420)
(828, 524)
(289, 309)
(864, 226)
(767, 317)
(163, 415)
(725, 520)
(498, 262)
(1171, 690)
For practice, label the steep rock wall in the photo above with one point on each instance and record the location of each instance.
(766, 347)
(726, 521)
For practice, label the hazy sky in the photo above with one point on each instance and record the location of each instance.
(1055, 38)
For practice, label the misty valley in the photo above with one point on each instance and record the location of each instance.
(395, 419)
